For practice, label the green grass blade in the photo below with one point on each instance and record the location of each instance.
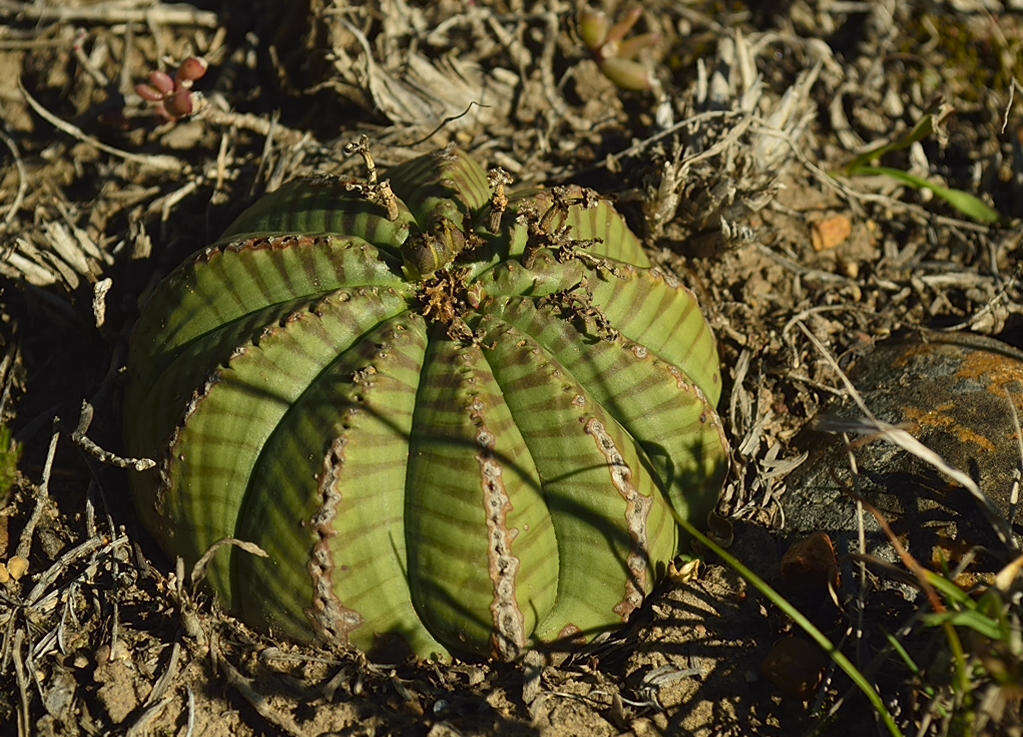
(920, 131)
(948, 589)
(970, 619)
(903, 654)
(964, 202)
(10, 451)
(819, 637)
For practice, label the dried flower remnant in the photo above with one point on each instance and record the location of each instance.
(614, 55)
(171, 97)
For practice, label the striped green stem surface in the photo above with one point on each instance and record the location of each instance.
(466, 436)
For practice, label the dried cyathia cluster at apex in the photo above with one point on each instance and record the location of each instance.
(452, 415)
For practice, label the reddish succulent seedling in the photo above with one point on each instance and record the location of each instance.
(614, 54)
(171, 97)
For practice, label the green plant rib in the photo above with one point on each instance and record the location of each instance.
(459, 424)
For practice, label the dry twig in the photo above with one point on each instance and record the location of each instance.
(243, 685)
(79, 438)
(22, 178)
(177, 14)
(157, 161)
(42, 499)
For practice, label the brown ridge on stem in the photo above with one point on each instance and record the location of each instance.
(637, 509)
(329, 616)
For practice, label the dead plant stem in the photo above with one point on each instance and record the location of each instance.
(42, 499)
(111, 13)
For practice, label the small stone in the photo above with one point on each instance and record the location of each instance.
(643, 727)
(442, 729)
(811, 564)
(117, 692)
(850, 268)
(795, 667)
(184, 136)
(827, 233)
(59, 696)
(17, 567)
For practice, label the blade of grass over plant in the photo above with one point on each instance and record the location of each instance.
(971, 619)
(902, 653)
(962, 201)
(948, 589)
(924, 577)
(920, 131)
(819, 637)
(971, 614)
(926, 688)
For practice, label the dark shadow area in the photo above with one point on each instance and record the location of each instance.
(293, 67)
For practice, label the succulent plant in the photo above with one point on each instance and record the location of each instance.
(446, 411)
(171, 97)
(614, 53)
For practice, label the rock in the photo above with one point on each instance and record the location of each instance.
(795, 666)
(184, 136)
(59, 694)
(952, 392)
(827, 233)
(17, 566)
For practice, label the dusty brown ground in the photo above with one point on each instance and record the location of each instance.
(724, 170)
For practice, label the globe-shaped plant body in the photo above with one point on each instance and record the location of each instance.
(446, 413)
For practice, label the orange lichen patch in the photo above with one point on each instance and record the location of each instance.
(938, 420)
(941, 408)
(1002, 376)
(948, 553)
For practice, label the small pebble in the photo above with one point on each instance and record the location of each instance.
(17, 567)
(184, 136)
(795, 667)
(830, 232)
